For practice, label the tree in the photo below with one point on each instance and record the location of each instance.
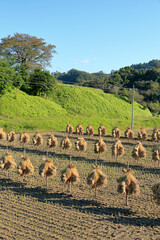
(41, 82)
(8, 77)
(29, 51)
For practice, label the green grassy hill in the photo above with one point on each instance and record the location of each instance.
(70, 104)
(94, 102)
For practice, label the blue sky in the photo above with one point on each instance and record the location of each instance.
(90, 35)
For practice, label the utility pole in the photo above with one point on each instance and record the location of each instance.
(132, 108)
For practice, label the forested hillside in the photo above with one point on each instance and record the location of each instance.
(145, 78)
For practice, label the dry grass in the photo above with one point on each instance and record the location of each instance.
(29, 210)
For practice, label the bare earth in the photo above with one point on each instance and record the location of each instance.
(30, 210)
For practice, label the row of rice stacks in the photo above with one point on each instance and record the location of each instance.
(24, 137)
(129, 134)
(24, 169)
(81, 145)
(127, 184)
(47, 169)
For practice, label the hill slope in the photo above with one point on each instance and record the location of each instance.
(70, 104)
(94, 102)
(17, 104)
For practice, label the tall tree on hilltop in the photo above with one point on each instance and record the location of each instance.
(29, 51)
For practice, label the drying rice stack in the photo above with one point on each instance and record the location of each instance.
(142, 134)
(155, 135)
(128, 184)
(7, 162)
(156, 192)
(129, 133)
(52, 141)
(81, 145)
(117, 149)
(79, 129)
(24, 138)
(47, 169)
(156, 154)
(70, 175)
(69, 128)
(100, 146)
(66, 143)
(116, 132)
(102, 130)
(25, 168)
(96, 178)
(89, 130)
(37, 139)
(2, 134)
(138, 151)
(11, 136)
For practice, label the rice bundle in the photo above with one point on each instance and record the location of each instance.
(11, 136)
(155, 135)
(70, 175)
(96, 178)
(117, 149)
(142, 134)
(66, 143)
(102, 130)
(37, 139)
(24, 138)
(52, 141)
(156, 192)
(2, 134)
(128, 184)
(25, 168)
(139, 151)
(116, 132)
(156, 154)
(81, 145)
(47, 169)
(129, 134)
(69, 128)
(79, 129)
(7, 162)
(89, 130)
(100, 146)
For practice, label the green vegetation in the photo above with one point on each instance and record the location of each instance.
(70, 104)
(89, 102)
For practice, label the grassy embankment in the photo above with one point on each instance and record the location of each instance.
(70, 104)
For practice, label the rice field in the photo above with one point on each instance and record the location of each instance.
(30, 210)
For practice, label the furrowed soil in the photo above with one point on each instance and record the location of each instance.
(31, 210)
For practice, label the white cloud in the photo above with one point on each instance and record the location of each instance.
(82, 61)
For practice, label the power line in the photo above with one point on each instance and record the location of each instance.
(97, 86)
